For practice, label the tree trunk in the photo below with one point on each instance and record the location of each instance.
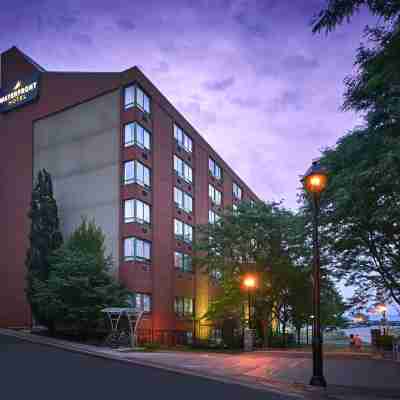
(298, 336)
(51, 326)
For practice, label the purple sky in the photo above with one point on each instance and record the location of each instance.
(248, 75)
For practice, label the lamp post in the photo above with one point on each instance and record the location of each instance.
(381, 308)
(249, 283)
(314, 182)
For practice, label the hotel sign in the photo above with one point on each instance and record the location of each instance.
(19, 93)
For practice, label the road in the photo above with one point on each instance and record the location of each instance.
(36, 371)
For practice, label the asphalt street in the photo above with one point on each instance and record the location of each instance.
(34, 371)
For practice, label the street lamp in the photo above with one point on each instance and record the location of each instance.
(381, 308)
(249, 283)
(315, 181)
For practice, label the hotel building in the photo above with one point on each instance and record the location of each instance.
(119, 152)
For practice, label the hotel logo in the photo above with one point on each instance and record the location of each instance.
(19, 93)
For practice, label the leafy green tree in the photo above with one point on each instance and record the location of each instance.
(361, 214)
(361, 207)
(45, 237)
(80, 283)
(270, 242)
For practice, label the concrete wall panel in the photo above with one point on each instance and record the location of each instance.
(79, 147)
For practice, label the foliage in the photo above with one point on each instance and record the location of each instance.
(338, 11)
(271, 243)
(80, 284)
(361, 208)
(45, 237)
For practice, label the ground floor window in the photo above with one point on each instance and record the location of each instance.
(183, 306)
(140, 301)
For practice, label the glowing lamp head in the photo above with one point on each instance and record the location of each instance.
(381, 308)
(249, 282)
(315, 179)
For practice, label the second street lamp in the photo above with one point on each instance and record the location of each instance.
(249, 283)
(315, 181)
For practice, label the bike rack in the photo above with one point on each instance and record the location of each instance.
(134, 316)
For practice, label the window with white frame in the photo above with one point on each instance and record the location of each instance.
(183, 169)
(140, 301)
(183, 306)
(213, 217)
(183, 200)
(136, 172)
(183, 262)
(237, 191)
(215, 195)
(136, 211)
(136, 249)
(183, 139)
(183, 231)
(136, 135)
(135, 96)
(214, 169)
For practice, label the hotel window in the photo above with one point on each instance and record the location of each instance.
(182, 169)
(215, 195)
(140, 301)
(136, 249)
(136, 211)
(183, 200)
(183, 231)
(237, 191)
(214, 168)
(183, 139)
(212, 217)
(134, 96)
(135, 134)
(136, 172)
(183, 262)
(183, 306)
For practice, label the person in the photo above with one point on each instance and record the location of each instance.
(357, 342)
(352, 341)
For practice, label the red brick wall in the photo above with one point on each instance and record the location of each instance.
(59, 91)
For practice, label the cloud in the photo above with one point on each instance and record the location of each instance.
(298, 61)
(246, 102)
(288, 99)
(125, 24)
(221, 85)
(82, 39)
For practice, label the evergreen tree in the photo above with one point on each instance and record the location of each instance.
(45, 237)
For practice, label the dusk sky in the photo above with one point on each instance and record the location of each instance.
(249, 75)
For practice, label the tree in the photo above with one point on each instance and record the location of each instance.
(266, 240)
(337, 11)
(361, 207)
(361, 214)
(80, 283)
(45, 237)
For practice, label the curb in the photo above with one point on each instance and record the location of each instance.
(252, 383)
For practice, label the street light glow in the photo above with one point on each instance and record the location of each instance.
(249, 282)
(381, 308)
(315, 179)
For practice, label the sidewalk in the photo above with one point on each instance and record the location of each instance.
(347, 377)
